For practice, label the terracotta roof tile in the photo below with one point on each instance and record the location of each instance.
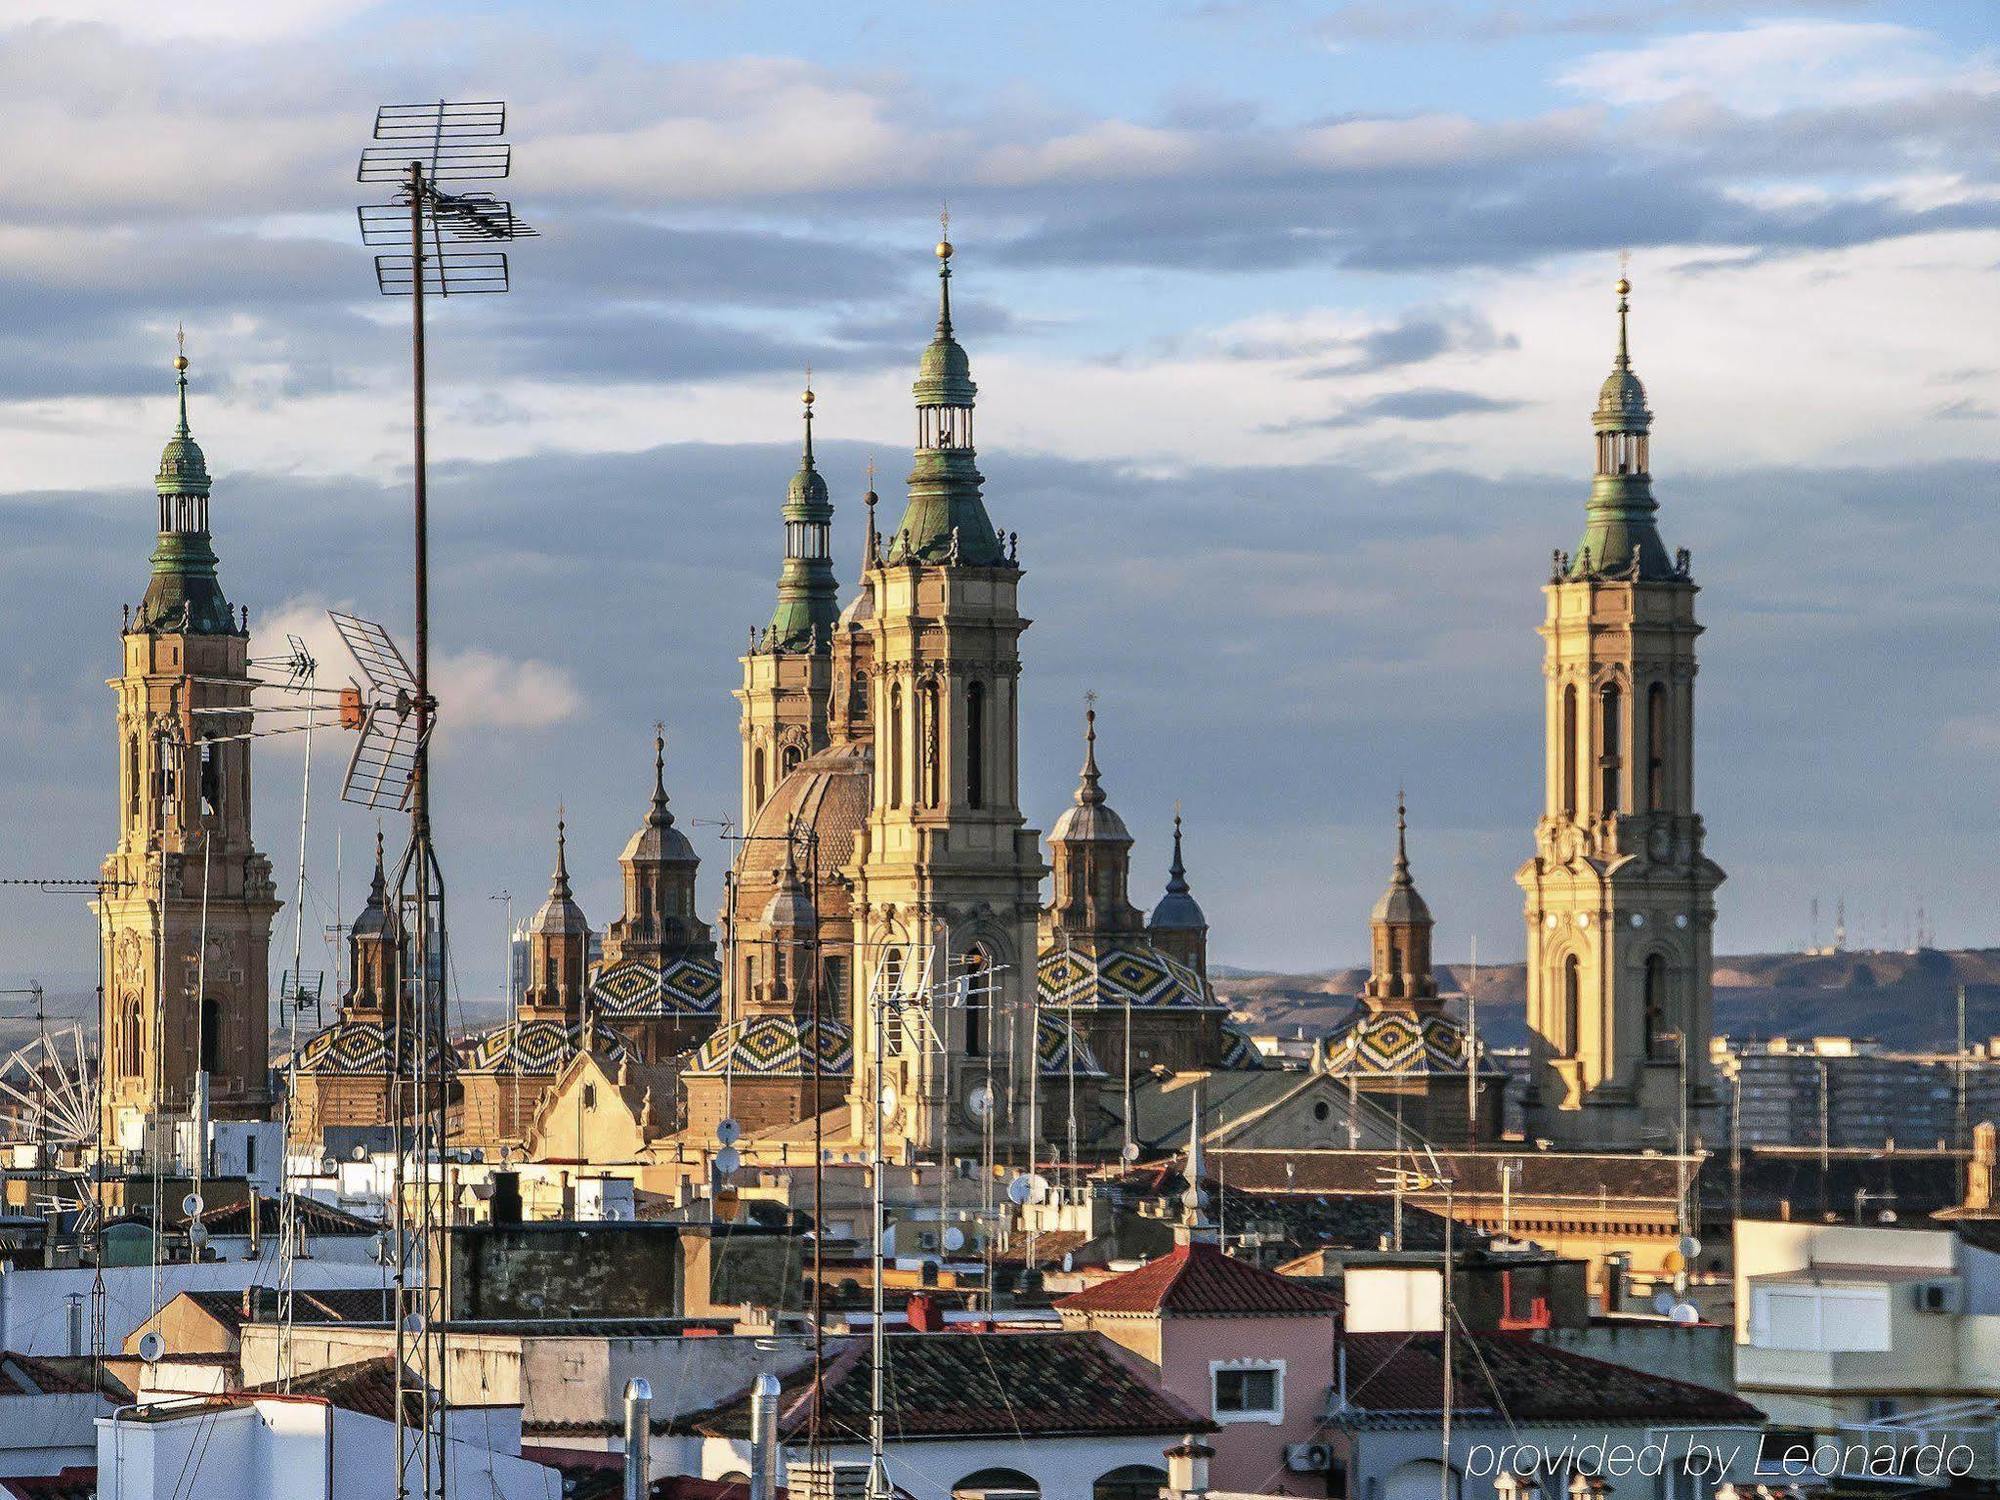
(1198, 1280)
(1401, 1374)
(950, 1385)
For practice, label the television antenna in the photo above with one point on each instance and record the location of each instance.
(450, 238)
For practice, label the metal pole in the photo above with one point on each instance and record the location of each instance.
(878, 1473)
(764, 1438)
(1444, 1477)
(638, 1437)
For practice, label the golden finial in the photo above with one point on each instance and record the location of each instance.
(944, 233)
(180, 346)
(1624, 265)
(871, 473)
(808, 397)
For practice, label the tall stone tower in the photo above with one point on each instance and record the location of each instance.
(1620, 896)
(947, 872)
(176, 1006)
(787, 672)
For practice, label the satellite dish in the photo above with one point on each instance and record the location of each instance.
(197, 1235)
(1685, 1314)
(979, 1103)
(1038, 1188)
(191, 1204)
(152, 1348)
(1663, 1303)
(1130, 1152)
(359, 1153)
(1069, 1261)
(954, 1238)
(1689, 1246)
(728, 1132)
(380, 1245)
(888, 1101)
(328, 1167)
(1020, 1190)
(727, 1160)
(413, 1323)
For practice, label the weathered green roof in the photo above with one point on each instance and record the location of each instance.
(945, 520)
(1620, 536)
(808, 594)
(183, 593)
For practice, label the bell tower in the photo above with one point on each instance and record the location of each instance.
(186, 914)
(1620, 897)
(787, 672)
(948, 874)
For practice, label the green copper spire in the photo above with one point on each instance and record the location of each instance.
(808, 595)
(945, 520)
(183, 594)
(1620, 538)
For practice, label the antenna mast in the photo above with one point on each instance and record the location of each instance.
(419, 146)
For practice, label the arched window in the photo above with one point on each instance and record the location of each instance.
(933, 732)
(211, 780)
(757, 776)
(791, 760)
(1572, 1003)
(131, 1047)
(211, 1034)
(896, 745)
(996, 1484)
(975, 745)
(1659, 1038)
(892, 1001)
(1609, 702)
(1130, 1482)
(1569, 787)
(132, 778)
(858, 704)
(1656, 747)
(976, 1001)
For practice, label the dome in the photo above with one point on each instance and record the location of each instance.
(1178, 911)
(560, 916)
(1089, 818)
(944, 374)
(826, 794)
(1621, 401)
(775, 1047)
(790, 906)
(1401, 906)
(374, 918)
(183, 469)
(807, 487)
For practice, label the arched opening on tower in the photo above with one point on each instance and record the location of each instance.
(1609, 704)
(1656, 747)
(1572, 1006)
(1659, 1036)
(975, 745)
(896, 744)
(1569, 787)
(211, 1034)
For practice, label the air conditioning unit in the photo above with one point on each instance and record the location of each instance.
(1937, 1296)
(1309, 1458)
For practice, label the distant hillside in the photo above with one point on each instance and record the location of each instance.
(1907, 1000)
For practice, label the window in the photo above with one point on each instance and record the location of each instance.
(211, 1034)
(896, 745)
(976, 1001)
(757, 776)
(1572, 1006)
(1609, 702)
(1823, 1319)
(1659, 1041)
(1656, 747)
(996, 1484)
(132, 777)
(211, 780)
(1569, 751)
(131, 1047)
(791, 759)
(932, 732)
(590, 1096)
(1247, 1391)
(1132, 1482)
(975, 745)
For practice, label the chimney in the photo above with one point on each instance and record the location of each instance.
(506, 1202)
(1187, 1468)
(924, 1314)
(638, 1437)
(764, 1437)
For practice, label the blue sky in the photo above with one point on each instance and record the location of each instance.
(1287, 320)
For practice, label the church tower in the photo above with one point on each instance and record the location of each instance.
(1620, 898)
(178, 1008)
(558, 948)
(787, 673)
(947, 872)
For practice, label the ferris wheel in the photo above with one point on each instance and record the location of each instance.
(48, 1115)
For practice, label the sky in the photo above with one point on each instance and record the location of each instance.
(1287, 320)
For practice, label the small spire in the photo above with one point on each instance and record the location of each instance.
(1402, 839)
(378, 890)
(1177, 884)
(1624, 360)
(871, 541)
(1089, 792)
(807, 398)
(181, 375)
(944, 272)
(660, 816)
(559, 882)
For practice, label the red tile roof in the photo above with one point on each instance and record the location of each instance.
(1518, 1379)
(76, 1483)
(952, 1385)
(1197, 1280)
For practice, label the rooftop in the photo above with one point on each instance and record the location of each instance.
(1197, 1280)
(957, 1385)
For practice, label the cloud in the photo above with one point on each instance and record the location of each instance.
(1419, 404)
(1773, 66)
